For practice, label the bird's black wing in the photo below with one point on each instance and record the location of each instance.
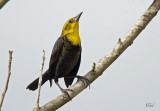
(68, 81)
(54, 57)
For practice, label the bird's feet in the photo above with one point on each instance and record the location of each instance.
(84, 80)
(65, 91)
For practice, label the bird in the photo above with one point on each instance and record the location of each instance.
(65, 57)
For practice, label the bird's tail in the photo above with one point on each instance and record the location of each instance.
(34, 85)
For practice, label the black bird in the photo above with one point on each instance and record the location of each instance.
(65, 58)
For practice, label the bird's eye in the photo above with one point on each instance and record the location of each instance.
(70, 21)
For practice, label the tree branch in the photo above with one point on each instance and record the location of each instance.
(40, 82)
(105, 62)
(3, 2)
(9, 73)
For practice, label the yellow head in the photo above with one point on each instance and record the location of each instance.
(71, 30)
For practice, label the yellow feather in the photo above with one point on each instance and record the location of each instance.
(71, 31)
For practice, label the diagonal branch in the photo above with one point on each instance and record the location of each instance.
(105, 62)
(9, 73)
(3, 2)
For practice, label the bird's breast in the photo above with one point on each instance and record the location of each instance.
(68, 58)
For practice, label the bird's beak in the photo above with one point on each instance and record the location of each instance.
(76, 18)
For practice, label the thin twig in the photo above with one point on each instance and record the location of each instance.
(40, 81)
(105, 62)
(7, 82)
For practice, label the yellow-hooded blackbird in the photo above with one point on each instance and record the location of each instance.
(65, 57)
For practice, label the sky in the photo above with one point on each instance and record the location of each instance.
(129, 84)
